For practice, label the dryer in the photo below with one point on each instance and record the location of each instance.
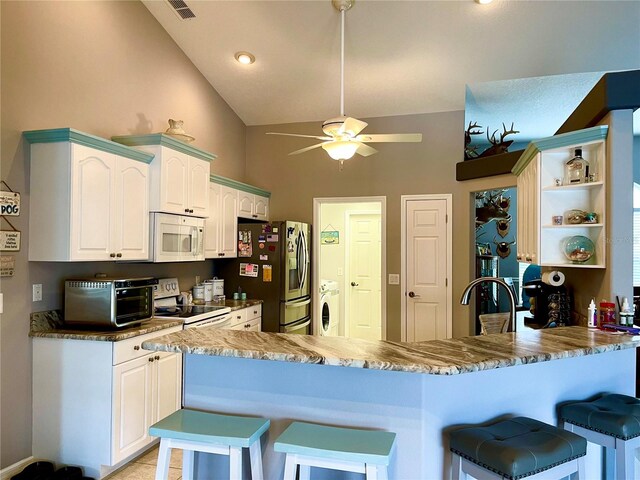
(329, 308)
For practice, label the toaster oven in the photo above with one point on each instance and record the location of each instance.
(108, 302)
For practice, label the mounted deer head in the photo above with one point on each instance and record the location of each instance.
(503, 226)
(470, 151)
(492, 205)
(498, 146)
(503, 249)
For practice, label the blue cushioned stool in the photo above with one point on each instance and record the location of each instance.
(612, 421)
(517, 448)
(195, 431)
(346, 449)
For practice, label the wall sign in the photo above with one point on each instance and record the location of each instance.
(7, 265)
(330, 237)
(9, 241)
(9, 203)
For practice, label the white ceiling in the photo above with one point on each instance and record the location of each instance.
(402, 57)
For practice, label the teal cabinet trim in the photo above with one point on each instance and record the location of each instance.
(165, 141)
(227, 182)
(587, 135)
(81, 138)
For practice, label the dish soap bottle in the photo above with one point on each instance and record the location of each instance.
(592, 319)
(576, 170)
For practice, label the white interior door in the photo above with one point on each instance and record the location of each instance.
(365, 261)
(427, 266)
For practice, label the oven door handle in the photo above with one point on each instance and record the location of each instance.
(298, 325)
(297, 304)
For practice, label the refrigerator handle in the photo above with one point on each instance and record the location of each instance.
(297, 304)
(298, 262)
(304, 261)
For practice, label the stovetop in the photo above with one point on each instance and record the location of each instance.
(191, 313)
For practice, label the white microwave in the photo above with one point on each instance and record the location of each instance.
(176, 238)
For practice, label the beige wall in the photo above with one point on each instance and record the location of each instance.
(105, 68)
(398, 169)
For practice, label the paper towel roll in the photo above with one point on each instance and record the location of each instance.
(553, 278)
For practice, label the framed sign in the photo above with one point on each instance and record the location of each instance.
(330, 237)
(7, 265)
(9, 203)
(9, 241)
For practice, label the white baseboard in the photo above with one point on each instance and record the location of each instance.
(8, 472)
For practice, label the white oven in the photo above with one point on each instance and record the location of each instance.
(176, 238)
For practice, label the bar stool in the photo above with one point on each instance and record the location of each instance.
(345, 449)
(195, 431)
(516, 448)
(612, 421)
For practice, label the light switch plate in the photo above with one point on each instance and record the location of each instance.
(340, 272)
(394, 279)
(37, 292)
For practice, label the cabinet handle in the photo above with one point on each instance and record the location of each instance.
(112, 255)
(254, 216)
(528, 259)
(221, 254)
(157, 357)
(255, 312)
(186, 210)
(239, 317)
(151, 359)
(119, 255)
(519, 257)
(136, 347)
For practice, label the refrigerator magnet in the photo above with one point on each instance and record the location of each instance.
(261, 245)
(266, 273)
(272, 248)
(275, 229)
(272, 238)
(261, 238)
(264, 257)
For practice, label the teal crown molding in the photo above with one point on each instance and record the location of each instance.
(587, 135)
(227, 182)
(81, 138)
(163, 140)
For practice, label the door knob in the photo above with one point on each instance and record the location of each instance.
(354, 284)
(413, 295)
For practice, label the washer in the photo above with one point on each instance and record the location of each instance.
(328, 308)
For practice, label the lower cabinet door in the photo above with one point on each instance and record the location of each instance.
(167, 396)
(254, 325)
(132, 406)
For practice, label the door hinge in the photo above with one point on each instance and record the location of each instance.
(446, 218)
(446, 282)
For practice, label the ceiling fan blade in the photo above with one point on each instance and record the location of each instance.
(352, 126)
(306, 149)
(365, 150)
(298, 135)
(390, 137)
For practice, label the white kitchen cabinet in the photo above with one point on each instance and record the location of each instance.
(88, 198)
(105, 395)
(221, 227)
(252, 206)
(248, 319)
(543, 195)
(179, 174)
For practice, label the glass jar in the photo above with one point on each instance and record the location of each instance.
(578, 249)
(575, 216)
(576, 170)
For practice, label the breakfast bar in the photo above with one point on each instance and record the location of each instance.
(417, 390)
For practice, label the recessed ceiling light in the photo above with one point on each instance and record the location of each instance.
(245, 58)
(483, 2)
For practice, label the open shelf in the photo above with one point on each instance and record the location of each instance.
(578, 186)
(575, 225)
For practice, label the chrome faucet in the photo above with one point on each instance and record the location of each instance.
(512, 298)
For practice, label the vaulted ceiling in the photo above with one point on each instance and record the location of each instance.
(404, 57)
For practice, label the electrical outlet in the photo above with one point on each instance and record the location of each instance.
(37, 292)
(340, 273)
(394, 279)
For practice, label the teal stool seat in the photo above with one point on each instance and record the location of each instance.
(517, 448)
(196, 431)
(347, 449)
(612, 421)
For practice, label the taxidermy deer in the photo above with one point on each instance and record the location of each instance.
(470, 151)
(503, 249)
(498, 146)
(493, 205)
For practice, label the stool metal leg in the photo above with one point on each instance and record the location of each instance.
(255, 455)
(188, 464)
(164, 456)
(456, 468)
(290, 467)
(625, 460)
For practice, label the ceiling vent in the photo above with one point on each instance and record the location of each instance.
(182, 9)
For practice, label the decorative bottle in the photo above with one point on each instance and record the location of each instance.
(576, 170)
(592, 319)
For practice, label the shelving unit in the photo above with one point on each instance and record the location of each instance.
(540, 198)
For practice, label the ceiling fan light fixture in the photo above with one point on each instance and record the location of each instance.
(483, 2)
(340, 149)
(245, 58)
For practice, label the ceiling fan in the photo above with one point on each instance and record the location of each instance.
(342, 134)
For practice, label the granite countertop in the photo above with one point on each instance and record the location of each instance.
(49, 324)
(439, 357)
(239, 304)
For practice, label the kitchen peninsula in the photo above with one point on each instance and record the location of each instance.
(417, 390)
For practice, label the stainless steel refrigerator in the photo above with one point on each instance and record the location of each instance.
(273, 265)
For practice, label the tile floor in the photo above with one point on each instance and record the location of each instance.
(144, 467)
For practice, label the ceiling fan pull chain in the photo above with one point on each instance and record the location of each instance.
(342, 12)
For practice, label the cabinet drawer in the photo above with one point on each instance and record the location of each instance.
(130, 348)
(238, 317)
(254, 312)
(254, 325)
